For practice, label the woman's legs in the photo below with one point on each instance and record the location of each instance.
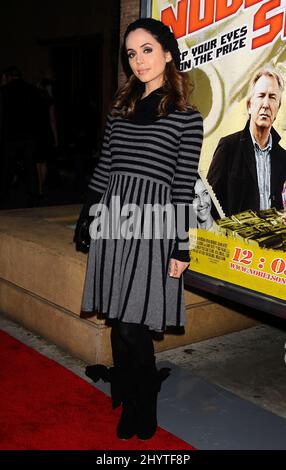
(135, 381)
(136, 339)
(134, 360)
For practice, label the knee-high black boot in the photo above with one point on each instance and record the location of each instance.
(122, 393)
(123, 380)
(147, 387)
(147, 378)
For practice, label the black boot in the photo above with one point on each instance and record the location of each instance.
(123, 382)
(122, 392)
(148, 384)
(126, 427)
(133, 355)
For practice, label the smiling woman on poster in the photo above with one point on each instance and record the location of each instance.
(202, 205)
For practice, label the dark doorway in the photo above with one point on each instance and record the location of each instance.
(77, 67)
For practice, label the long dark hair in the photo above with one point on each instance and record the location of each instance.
(176, 89)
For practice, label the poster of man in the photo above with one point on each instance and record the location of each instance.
(248, 168)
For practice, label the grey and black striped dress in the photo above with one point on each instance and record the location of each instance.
(143, 161)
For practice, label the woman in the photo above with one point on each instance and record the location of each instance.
(202, 205)
(149, 157)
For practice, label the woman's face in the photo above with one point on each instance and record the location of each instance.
(201, 202)
(147, 58)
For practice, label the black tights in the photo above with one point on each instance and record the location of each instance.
(132, 345)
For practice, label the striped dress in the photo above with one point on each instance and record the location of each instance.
(151, 161)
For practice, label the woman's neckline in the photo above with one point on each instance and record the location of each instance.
(152, 93)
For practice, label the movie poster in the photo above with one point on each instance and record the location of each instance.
(241, 234)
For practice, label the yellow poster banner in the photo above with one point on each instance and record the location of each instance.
(235, 54)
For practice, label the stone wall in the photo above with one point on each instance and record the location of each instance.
(129, 11)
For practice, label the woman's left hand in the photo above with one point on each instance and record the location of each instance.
(177, 267)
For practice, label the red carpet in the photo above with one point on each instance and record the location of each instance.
(46, 407)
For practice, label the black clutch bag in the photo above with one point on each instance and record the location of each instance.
(82, 235)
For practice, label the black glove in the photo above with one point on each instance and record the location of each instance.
(81, 234)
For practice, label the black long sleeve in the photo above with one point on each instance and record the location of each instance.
(179, 252)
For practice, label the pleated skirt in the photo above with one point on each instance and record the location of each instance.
(127, 275)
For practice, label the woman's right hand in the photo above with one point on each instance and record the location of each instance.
(176, 267)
